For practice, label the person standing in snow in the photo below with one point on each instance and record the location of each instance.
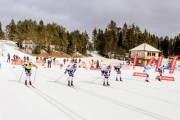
(28, 67)
(8, 58)
(71, 70)
(49, 61)
(105, 71)
(64, 60)
(146, 69)
(117, 68)
(27, 58)
(97, 64)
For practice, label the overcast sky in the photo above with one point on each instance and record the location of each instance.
(160, 17)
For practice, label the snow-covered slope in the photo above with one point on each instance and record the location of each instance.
(88, 100)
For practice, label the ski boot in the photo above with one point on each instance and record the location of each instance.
(30, 83)
(72, 83)
(120, 79)
(108, 84)
(116, 79)
(104, 84)
(69, 83)
(147, 80)
(25, 82)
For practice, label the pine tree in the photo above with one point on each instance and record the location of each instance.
(94, 39)
(165, 46)
(41, 34)
(111, 36)
(11, 30)
(177, 45)
(171, 47)
(1, 32)
(101, 42)
(125, 43)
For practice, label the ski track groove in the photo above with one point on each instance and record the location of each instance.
(147, 96)
(58, 105)
(53, 102)
(119, 103)
(136, 83)
(124, 105)
(136, 93)
(170, 91)
(116, 102)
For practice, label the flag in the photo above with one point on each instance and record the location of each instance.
(135, 60)
(159, 62)
(173, 64)
(150, 61)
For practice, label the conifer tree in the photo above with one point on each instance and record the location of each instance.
(11, 30)
(1, 32)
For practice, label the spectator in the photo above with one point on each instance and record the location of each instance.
(49, 61)
(9, 57)
(37, 58)
(79, 60)
(14, 56)
(28, 58)
(64, 60)
(97, 64)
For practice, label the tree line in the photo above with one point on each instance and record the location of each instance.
(44, 36)
(112, 40)
(119, 40)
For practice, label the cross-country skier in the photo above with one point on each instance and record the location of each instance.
(70, 70)
(146, 69)
(117, 68)
(27, 67)
(105, 71)
(161, 70)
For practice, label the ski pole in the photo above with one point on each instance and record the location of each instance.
(35, 76)
(59, 78)
(21, 76)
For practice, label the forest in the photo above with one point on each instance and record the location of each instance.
(113, 39)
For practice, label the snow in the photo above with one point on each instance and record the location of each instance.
(88, 100)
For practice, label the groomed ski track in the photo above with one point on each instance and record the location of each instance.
(88, 99)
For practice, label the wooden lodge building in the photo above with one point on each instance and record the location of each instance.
(145, 52)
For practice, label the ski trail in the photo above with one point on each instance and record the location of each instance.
(136, 93)
(62, 108)
(124, 105)
(135, 82)
(68, 112)
(147, 96)
(127, 91)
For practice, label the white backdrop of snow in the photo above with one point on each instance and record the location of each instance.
(88, 100)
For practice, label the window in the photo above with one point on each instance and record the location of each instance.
(153, 54)
(149, 54)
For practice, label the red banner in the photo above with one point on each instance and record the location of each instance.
(165, 78)
(159, 62)
(150, 61)
(173, 64)
(135, 60)
(139, 74)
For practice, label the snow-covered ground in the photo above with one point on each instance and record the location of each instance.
(132, 99)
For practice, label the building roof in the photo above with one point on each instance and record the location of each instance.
(145, 47)
(27, 42)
